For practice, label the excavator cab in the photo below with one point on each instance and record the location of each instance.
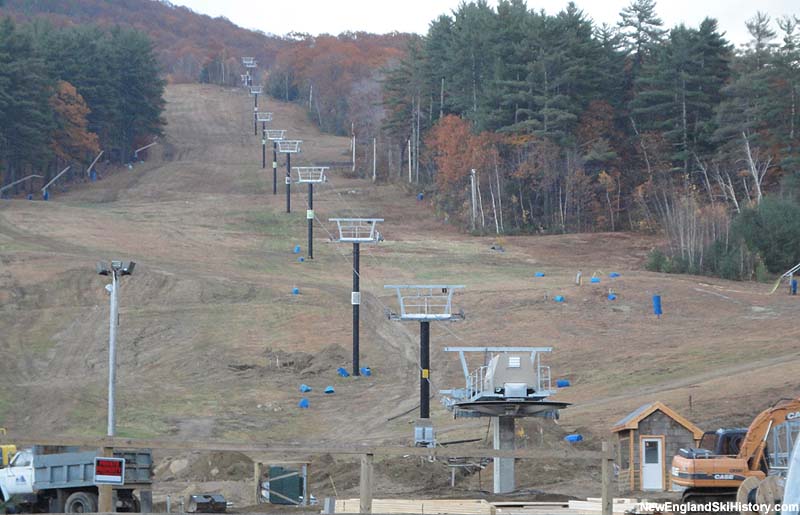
(722, 442)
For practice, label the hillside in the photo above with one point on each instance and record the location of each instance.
(213, 344)
(186, 41)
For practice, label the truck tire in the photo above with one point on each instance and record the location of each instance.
(81, 502)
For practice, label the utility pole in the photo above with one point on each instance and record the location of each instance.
(474, 212)
(374, 158)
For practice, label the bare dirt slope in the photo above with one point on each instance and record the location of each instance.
(214, 345)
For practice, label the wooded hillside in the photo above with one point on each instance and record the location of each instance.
(188, 45)
(571, 126)
(66, 94)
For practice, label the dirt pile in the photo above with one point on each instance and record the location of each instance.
(215, 466)
(305, 364)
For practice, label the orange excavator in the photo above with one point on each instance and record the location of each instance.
(727, 457)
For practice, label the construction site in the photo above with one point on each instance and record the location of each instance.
(293, 337)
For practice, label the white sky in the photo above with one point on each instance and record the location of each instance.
(381, 16)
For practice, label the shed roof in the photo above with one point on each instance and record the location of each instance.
(632, 419)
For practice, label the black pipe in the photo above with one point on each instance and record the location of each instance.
(263, 150)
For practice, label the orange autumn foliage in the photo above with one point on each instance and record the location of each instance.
(72, 139)
(456, 150)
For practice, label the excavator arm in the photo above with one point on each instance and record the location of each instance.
(755, 442)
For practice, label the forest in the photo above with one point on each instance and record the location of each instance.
(518, 121)
(66, 94)
(575, 127)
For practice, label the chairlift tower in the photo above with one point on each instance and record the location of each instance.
(289, 147)
(310, 175)
(249, 63)
(263, 117)
(425, 303)
(255, 91)
(274, 135)
(512, 384)
(357, 231)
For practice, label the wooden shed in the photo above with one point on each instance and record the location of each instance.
(647, 439)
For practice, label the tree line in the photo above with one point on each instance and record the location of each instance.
(571, 126)
(66, 94)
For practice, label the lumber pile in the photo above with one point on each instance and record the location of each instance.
(420, 506)
(594, 505)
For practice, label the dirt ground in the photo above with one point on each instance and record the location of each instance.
(212, 343)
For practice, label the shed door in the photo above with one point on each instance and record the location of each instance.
(652, 465)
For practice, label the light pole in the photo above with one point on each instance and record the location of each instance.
(116, 270)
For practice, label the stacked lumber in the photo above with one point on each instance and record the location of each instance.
(421, 506)
(594, 505)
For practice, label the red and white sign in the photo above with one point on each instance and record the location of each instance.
(109, 471)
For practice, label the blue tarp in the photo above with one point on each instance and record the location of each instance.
(329, 389)
(574, 438)
(595, 280)
(563, 383)
(301, 259)
(366, 371)
(295, 291)
(303, 403)
(558, 298)
(612, 296)
(539, 274)
(613, 274)
(342, 372)
(305, 388)
(297, 249)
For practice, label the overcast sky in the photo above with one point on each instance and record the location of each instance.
(380, 16)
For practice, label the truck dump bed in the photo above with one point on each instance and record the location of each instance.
(76, 469)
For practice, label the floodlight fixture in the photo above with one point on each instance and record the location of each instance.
(115, 269)
(273, 135)
(310, 175)
(357, 231)
(256, 90)
(425, 303)
(289, 147)
(263, 116)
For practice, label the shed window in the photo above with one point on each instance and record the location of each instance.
(651, 452)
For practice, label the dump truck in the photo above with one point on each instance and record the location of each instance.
(727, 458)
(63, 480)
